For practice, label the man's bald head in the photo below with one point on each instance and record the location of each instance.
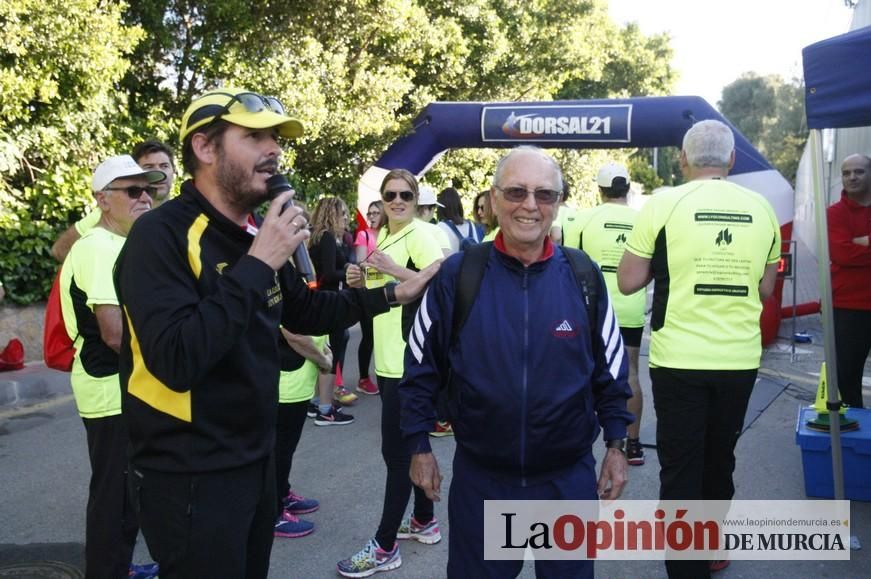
(856, 177)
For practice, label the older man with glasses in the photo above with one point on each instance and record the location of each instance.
(150, 154)
(523, 432)
(123, 191)
(205, 286)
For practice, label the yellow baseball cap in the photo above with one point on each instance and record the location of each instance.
(240, 107)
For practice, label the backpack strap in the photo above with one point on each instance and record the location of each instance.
(454, 229)
(588, 280)
(472, 268)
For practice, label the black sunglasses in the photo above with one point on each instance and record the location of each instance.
(519, 194)
(389, 196)
(135, 191)
(251, 101)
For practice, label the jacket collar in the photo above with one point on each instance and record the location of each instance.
(499, 244)
(190, 191)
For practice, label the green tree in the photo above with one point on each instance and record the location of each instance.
(749, 103)
(770, 113)
(358, 71)
(59, 114)
(785, 140)
(81, 79)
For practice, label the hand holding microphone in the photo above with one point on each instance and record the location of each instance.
(275, 186)
(282, 234)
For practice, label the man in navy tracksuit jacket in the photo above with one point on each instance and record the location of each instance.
(532, 382)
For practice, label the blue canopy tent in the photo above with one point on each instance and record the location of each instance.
(836, 96)
(588, 124)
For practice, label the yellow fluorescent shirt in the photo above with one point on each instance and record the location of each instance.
(567, 220)
(86, 282)
(602, 233)
(299, 385)
(415, 246)
(88, 222)
(709, 242)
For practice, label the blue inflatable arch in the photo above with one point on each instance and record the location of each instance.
(590, 124)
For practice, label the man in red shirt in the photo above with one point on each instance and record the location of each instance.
(849, 227)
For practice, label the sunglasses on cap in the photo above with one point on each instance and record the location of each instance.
(135, 191)
(250, 101)
(519, 194)
(389, 196)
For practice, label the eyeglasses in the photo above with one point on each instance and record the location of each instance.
(251, 101)
(389, 196)
(373, 214)
(519, 194)
(135, 191)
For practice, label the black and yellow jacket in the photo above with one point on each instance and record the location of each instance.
(199, 359)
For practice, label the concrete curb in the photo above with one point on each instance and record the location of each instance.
(33, 383)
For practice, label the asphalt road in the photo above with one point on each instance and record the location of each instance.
(44, 473)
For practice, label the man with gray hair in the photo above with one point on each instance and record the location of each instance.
(712, 249)
(532, 402)
(123, 191)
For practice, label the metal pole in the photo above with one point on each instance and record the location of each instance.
(793, 248)
(820, 206)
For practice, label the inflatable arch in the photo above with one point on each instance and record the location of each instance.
(589, 124)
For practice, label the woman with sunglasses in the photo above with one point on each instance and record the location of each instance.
(364, 244)
(404, 245)
(484, 215)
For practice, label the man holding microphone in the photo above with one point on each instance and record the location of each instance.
(204, 287)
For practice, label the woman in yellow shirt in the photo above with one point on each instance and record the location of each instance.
(404, 246)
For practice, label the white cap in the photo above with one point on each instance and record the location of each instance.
(609, 172)
(427, 196)
(118, 168)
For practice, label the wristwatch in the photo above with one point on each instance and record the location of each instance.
(390, 293)
(618, 443)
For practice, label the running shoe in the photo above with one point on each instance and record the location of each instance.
(298, 505)
(634, 452)
(427, 534)
(312, 410)
(145, 571)
(344, 396)
(442, 428)
(370, 560)
(334, 417)
(291, 527)
(367, 386)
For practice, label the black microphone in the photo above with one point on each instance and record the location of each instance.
(275, 186)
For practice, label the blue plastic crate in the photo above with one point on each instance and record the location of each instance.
(816, 457)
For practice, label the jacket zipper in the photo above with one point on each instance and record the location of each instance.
(525, 373)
